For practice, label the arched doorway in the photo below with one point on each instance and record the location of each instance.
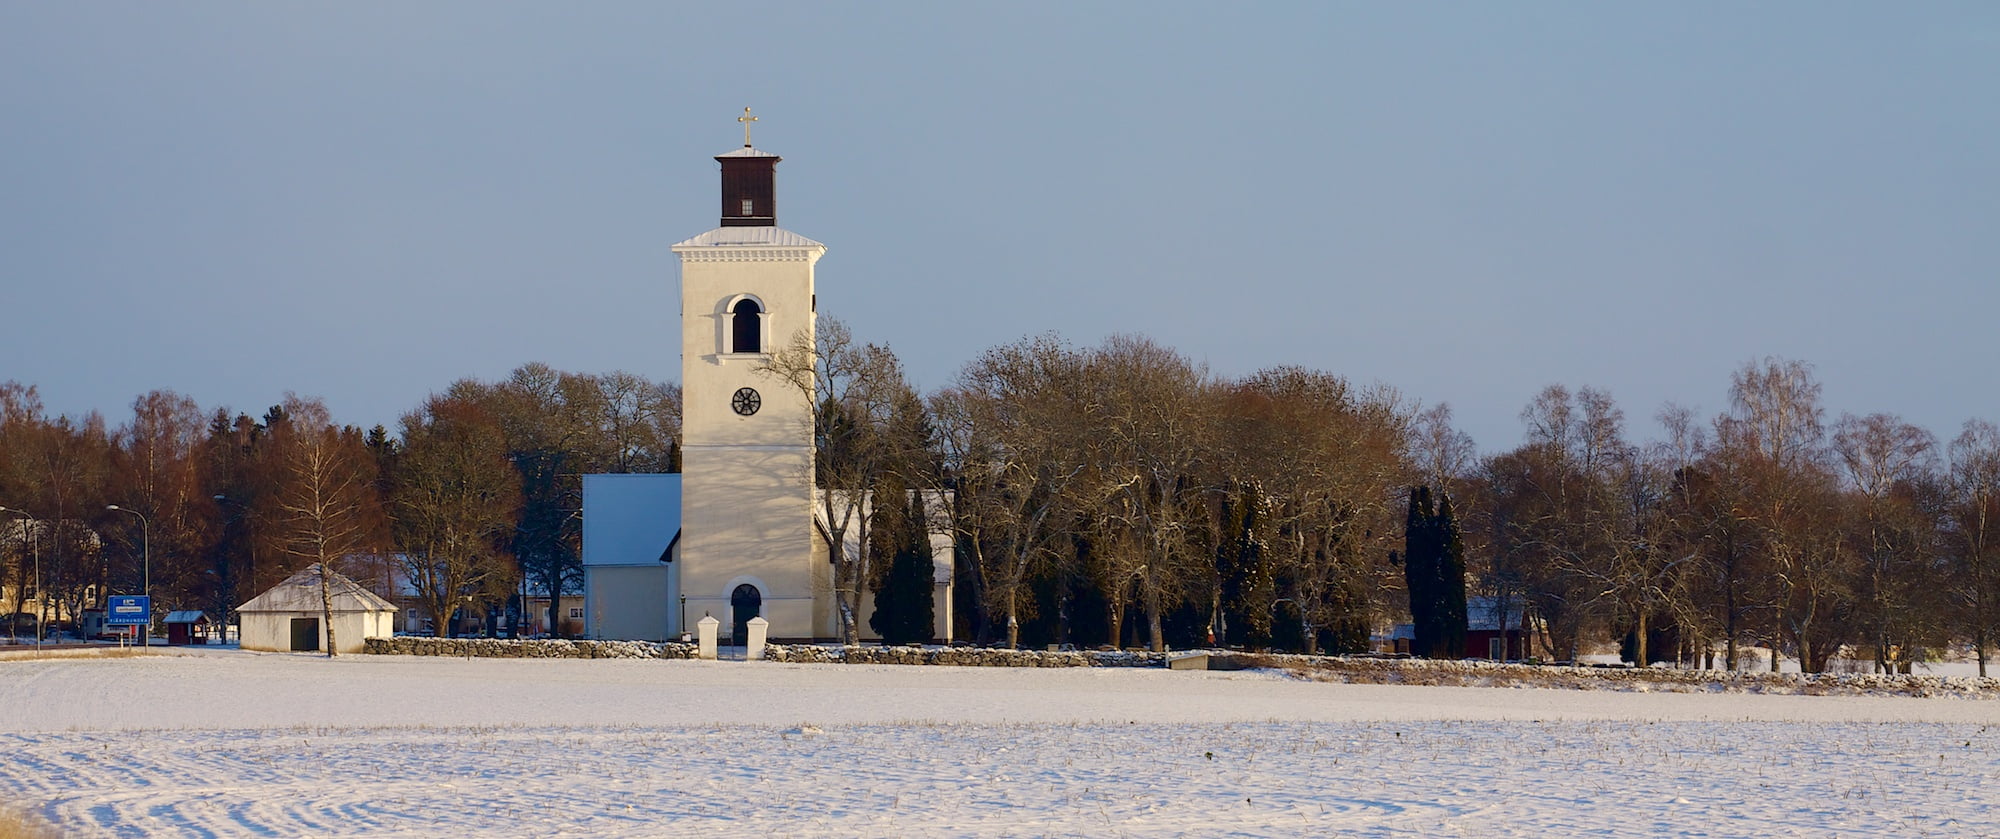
(744, 603)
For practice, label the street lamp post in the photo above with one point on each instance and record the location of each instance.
(39, 610)
(232, 581)
(146, 551)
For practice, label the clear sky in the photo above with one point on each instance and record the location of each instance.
(365, 202)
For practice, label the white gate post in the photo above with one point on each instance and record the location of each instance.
(758, 629)
(705, 630)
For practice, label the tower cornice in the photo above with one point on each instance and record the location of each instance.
(750, 244)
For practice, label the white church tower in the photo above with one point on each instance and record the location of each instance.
(747, 544)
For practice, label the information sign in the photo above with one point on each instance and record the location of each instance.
(128, 610)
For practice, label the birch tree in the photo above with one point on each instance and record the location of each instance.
(157, 461)
(321, 495)
(1890, 464)
(1972, 525)
(863, 430)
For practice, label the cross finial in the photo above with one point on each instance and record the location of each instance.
(746, 119)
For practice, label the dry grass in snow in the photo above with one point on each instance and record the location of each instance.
(17, 825)
(1474, 673)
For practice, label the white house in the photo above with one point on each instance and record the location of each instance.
(290, 615)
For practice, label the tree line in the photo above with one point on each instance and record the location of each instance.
(476, 491)
(1119, 494)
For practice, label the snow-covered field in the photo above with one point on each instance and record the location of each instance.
(228, 743)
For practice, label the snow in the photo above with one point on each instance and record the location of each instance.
(230, 743)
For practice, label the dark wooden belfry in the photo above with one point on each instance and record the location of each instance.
(749, 193)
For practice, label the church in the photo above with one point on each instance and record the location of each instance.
(734, 536)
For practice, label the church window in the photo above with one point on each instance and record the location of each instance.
(746, 206)
(746, 327)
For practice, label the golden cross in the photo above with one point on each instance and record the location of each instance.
(746, 119)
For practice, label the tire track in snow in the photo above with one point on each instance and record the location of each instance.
(1261, 779)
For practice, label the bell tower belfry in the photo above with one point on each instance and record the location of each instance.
(747, 538)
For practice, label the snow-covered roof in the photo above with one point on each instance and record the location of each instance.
(186, 616)
(747, 151)
(300, 593)
(1482, 614)
(630, 519)
(759, 237)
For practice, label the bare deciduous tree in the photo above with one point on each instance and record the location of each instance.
(157, 459)
(1153, 412)
(1329, 465)
(1030, 462)
(1972, 532)
(455, 501)
(863, 431)
(1891, 464)
(321, 495)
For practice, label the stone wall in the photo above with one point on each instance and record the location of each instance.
(1357, 670)
(957, 656)
(791, 653)
(1479, 673)
(503, 648)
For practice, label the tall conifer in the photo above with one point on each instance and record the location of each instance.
(1449, 594)
(904, 606)
(1420, 570)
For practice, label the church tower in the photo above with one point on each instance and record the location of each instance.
(747, 541)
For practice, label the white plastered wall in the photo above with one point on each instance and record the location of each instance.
(272, 631)
(746, 503)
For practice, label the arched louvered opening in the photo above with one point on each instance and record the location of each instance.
(746, 327)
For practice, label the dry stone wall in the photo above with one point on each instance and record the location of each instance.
(1477, 673)
(792, 653)
(1355, 670)
(504, 648)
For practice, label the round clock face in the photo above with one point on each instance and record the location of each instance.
(746, 401)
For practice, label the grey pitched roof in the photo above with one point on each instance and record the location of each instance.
(300, 593)
(765, 237)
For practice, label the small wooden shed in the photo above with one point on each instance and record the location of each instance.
(289, 617)
(187, 626)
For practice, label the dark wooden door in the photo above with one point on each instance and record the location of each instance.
(305, 635)
(744, 603)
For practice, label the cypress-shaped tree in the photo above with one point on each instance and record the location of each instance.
(904, 607)
(1420, 570)
(1449, 595)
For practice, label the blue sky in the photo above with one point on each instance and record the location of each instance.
(365, 202)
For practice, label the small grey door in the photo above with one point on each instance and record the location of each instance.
(744, 603)
(305, 635)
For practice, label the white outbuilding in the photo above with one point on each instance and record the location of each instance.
(288, 617)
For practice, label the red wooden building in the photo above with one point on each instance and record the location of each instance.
(187, 627)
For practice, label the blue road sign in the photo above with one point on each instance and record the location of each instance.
(128, 610)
